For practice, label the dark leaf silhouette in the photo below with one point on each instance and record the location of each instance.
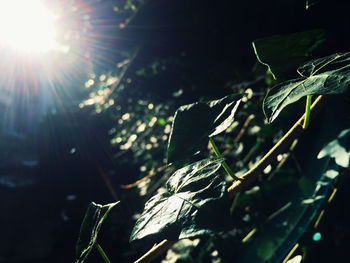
(285, 53)
(193, 205)
(93, 219)
(194, 123)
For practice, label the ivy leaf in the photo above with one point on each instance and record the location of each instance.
(194, 123)
(328, 75)
(91, 225)
(276, 236)
(336, 149)
(193, 205)
(283, 54)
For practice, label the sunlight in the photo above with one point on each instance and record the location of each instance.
(26, 26)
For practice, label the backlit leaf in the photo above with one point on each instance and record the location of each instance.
(328, 75)
(194, 204)
(284, 53)
(194, 123)
(337, 150)
(275, 238)
(93, 219)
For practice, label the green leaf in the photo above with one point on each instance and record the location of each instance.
(194, 123)
(284, 53)
(193, 205)
(336, 149)
(91, 225)
(328, 75)
(304, 196)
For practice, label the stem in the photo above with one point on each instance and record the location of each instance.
(307, 112)
(253, 150)
(286, 140)
(249, 235)
(285, 157)
(155, 251)
(224, 164)
(238, 185)
(276, 213)
(285, 260)
(102, 253)
(244, 128)
(240, 134)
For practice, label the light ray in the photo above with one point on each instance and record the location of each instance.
(26, 25)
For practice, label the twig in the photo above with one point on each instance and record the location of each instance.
(253, 150)
(155, 251)
(286, 140)
(240, 134)
(223, 163)
(143, 179)
(244, 128)
(284, 160)
(247, 178)
(285, 260)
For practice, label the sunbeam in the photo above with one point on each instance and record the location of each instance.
(27, 26)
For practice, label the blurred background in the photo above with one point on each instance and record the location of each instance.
(88, 90)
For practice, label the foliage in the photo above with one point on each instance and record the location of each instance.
(194, 123)
(335, 149)
(283, 54)
(264, 221)
(189, 207)
(327, 75)
(90, 227)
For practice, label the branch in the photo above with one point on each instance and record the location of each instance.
(240, 134)
(246, 179)
(286, 140)
(155, 251)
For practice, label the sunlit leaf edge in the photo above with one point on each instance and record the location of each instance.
(164, 217)
(93, 212)
(215, 117)
(288, 92)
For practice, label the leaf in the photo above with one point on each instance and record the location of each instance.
(181, 251)
(284, 53)
(328, 75)
(313, 182)
(194, 123)
(336, 150)
(193, 205)
(91, 225)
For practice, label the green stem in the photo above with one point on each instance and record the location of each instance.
(294, 132)
(307, 112)
(102, 253)
(253, 150)
(224, 164)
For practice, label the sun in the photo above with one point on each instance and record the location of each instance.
(26, 26)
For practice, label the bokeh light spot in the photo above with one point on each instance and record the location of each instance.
(317, 236)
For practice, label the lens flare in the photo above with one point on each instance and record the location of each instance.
(26, 25)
